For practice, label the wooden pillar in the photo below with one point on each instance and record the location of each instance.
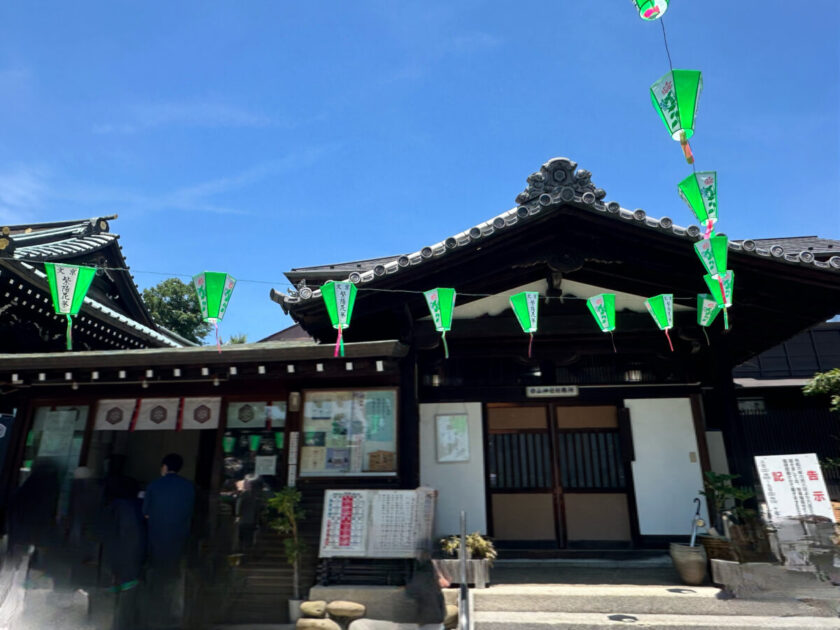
(409, 423)
(722, 408)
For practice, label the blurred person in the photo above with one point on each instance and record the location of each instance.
(125, 546)
(168, 508)
(32, 508)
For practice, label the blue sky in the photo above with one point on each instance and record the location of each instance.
(252, 137)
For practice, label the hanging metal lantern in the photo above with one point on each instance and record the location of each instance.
(675, 97)
(651, 9)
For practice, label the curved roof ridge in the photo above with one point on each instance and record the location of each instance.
(558, 183)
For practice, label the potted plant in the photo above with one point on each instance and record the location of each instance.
(284, 514)
(480, 556)
(718, 490)
(747, 540)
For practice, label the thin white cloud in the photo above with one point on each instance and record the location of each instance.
(143, 116)
(22, 192)
(216, 195)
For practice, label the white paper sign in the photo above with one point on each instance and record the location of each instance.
(57, 436)
(114, 415)
(65, 281)
(265, 465)
(794, 486)
(376, 523)
(342, 302)
(344, 527)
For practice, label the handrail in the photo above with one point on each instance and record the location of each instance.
(463, 590)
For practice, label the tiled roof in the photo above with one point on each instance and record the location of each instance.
(109, 313)
(822, 248)
(48, 241)
(559, 183)
(67, 241)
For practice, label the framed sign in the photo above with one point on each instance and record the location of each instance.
(452, 438)
(349, 432)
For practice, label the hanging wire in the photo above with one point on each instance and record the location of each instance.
(311, 286)
(671, 66)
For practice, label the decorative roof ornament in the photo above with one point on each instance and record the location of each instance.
(69, 285)
(674, 97)
(558, 180)
(339, 298)
(526, 306)
(651, 9)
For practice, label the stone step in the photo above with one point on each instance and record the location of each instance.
(487, 620)
(619, 599)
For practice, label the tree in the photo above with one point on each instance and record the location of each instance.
(238, 338)
(174, 305)
(825, 383)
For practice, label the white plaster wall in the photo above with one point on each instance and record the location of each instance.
(665, 478)
(460, 485)
(717, 452)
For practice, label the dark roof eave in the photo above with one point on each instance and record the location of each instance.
(543, 195)
(271, 351)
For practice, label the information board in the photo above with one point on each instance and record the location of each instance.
(794, 486)
(376, 523)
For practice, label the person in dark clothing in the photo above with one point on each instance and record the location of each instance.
(32, 508)
(168, 508)
(125, 547)
(248, 507)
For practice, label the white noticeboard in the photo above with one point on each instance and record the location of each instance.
(376, 523)
(794, 486)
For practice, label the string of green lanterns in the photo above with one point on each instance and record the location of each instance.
(674, 97)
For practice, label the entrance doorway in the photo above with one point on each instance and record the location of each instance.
(557, 477)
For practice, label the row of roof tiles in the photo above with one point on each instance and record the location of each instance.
(576, 188)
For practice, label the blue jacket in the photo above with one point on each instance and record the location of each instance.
(168, 506)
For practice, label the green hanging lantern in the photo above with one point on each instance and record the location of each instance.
(675, 97)
(602, 307)
(699, 191)
(339, 298)
(721, 289)
(707, 310)
(69, 285)
(651, 9)
(713, 253)
(214, 290)
(441, 303)
(661, 308)
(526, 306)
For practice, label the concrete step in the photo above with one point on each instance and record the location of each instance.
(616, 599)
(488, 620)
